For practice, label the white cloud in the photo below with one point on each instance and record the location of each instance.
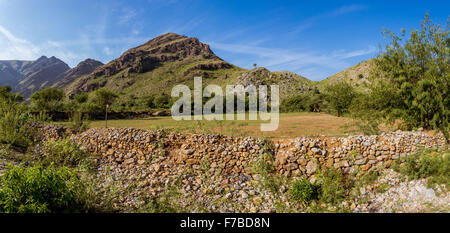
(370, 50)
(309, 22)
(308, 63)
(12, 47)
(107, 51)
(127, 15)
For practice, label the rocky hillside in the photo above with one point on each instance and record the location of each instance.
(83, 68)
(290, 83)
(357, 75)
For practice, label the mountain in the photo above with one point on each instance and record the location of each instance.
(155, 67)
(11, 72)
(40, 74)
(171, 59)
(357, 75)
(26, 77)
(83, 68)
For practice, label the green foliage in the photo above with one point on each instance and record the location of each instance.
(161, 101)
(303, 102)
(103, 97)
(430, 164)
(63, 153)
(264, 167)
(302, 190)
(48, 100)
(332, 186)
(40, 190)
(13, 119)
(296, 103)
(81, 98)
(413, 76)
(79, 121)
(5, 93)
(340, 96)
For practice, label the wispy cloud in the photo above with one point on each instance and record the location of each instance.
(127, 15)
(297, 61)
(309, 22)
(13, 47)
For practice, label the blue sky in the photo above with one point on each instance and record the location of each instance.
(313, 38)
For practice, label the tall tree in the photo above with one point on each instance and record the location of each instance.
(48, 100)
(105, 98)
(340, 96)
(414, 76)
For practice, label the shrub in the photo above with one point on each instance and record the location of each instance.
(64, 153)
(302, 190)
(332, 186)
(298, 103)
(13, 120)
(426, 164)
(40, 190)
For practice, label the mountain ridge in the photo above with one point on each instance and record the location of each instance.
(154, 67)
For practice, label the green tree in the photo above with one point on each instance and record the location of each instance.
(105, 98)
(413, 77)
(48, 100)
(340, 96)
(5, 93)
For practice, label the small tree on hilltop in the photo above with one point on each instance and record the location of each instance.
(105, 98)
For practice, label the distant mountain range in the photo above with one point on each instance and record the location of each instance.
(154, 68)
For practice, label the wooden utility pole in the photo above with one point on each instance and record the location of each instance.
(106, 115)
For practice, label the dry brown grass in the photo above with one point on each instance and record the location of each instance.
(291, 125)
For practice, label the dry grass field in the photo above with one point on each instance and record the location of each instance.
(290, 125)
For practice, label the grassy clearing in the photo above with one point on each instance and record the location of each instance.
(291, 125)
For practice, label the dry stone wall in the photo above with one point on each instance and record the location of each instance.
(166, 153)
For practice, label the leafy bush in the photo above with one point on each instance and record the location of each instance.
(13, 120)
(296, 103)
(63, 152)
(40, 190)
(332, 186)
(426, 164)
(303, 190)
